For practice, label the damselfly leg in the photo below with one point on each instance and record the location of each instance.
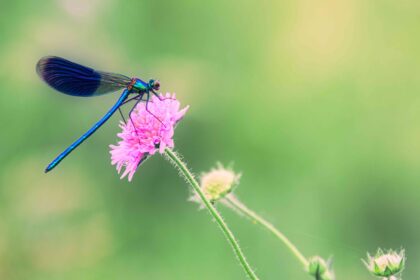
(147, 108)
(159, 96)
(138, 99)
(121, 114)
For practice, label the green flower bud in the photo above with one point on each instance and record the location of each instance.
(320, 269)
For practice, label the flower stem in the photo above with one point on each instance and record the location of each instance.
(237, 205)
(182, 167)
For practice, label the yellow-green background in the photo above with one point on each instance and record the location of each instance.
(317, 103)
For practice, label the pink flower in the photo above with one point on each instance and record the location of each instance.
(151, 132)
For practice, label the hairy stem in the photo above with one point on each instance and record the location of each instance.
(182, 167)
(237, 205)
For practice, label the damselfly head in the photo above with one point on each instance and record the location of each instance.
(154, 84)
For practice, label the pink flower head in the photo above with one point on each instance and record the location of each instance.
(146, 133)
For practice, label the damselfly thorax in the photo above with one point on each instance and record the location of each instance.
(137, 85)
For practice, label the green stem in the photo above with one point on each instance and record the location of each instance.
(182, 167)
(236, 204)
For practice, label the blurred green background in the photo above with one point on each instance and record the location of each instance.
(316, 103)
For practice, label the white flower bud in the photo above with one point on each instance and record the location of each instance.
(386, 264)
(217, 183)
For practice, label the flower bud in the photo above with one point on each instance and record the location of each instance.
(320, 269)
(386, 264)
(217, 183)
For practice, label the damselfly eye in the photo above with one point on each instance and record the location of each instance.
(156, 85)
